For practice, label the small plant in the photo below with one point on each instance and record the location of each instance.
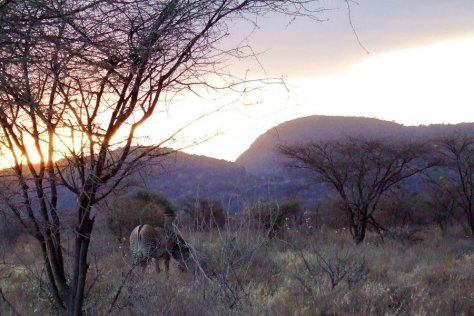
(337, 267)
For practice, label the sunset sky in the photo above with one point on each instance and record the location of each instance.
(419, 70)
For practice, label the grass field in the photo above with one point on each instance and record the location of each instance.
(315, 271)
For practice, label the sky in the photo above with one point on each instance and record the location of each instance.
(411, 62)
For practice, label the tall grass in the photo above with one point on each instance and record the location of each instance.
(239, 270)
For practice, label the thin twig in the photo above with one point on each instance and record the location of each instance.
(120, 289)
(349, 13)
(194, 255)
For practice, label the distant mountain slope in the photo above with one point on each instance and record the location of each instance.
(182, 175)
(259, 173)
(262, 156)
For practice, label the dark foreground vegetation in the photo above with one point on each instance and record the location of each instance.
(274, 260)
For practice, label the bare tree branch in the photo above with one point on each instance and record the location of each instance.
(361, 171)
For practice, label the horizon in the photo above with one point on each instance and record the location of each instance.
(342, 117)
(3, 168)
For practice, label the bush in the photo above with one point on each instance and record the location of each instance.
(442, 205)
(401, 208)
(329, 212)
(273, 217)
(10, 230)
(141, 207)
(204, 213)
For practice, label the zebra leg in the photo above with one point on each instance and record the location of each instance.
(157, 266)
(167, 258)
(143, 265)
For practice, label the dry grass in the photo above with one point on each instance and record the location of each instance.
(320, 272)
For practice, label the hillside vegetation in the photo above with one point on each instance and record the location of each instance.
(261, 172)
(262, 157)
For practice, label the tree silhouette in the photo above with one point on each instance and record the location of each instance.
(360, 171)
(457, 155)
(77, 78)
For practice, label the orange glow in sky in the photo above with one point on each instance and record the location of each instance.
(420, 85)
(420, 70)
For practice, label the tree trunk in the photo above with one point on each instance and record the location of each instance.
(359, 236)
(58, 294)
(470, 216)
(358, 230)
(76, 295)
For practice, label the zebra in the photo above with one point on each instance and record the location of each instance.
(147, 243)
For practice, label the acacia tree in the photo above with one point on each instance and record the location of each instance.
(360, 171)
(77, 78)
(457, 155)
(441, 203)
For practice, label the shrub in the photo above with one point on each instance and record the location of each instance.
(328, 212)
(9, 230)
(204, 213)
(273, 217)
(141, 207)
(401, 208)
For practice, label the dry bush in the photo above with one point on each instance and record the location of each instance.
(246, 273)
(141, 207)
(327, 274)
(429, 278)
(9, 230)
(25, 289)
(237, 269)
(441, 205)
(272, 218)
(402, 208)
(203, 214)
(329, 213)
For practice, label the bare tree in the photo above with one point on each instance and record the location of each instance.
(360, 171)
(441, 203)
(77, 78)
(457, 155)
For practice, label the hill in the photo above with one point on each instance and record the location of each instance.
(262, 157)
(182, 175)
(259, 173)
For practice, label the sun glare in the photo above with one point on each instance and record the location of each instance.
(423, 85)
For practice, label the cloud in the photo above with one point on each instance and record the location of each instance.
(306, 46)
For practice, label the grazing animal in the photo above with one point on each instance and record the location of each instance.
(147, 243)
